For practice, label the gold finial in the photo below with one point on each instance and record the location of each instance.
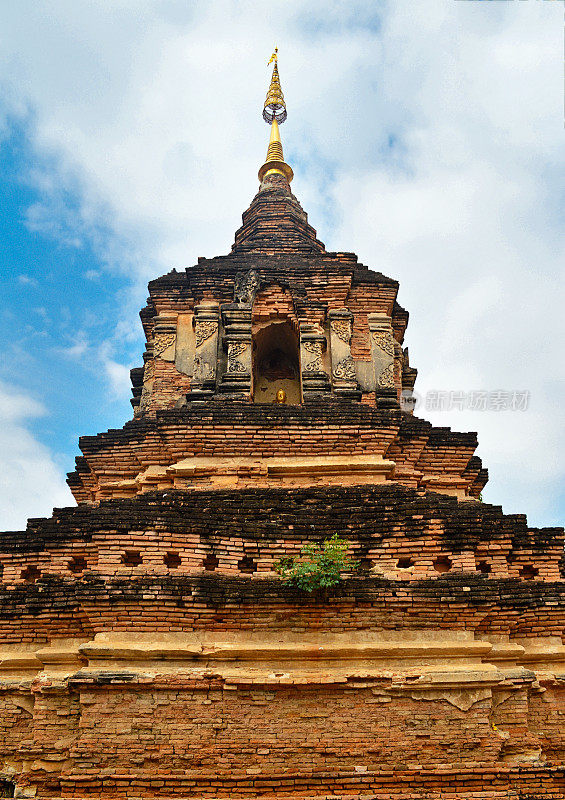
(274, 107)
(274, 112)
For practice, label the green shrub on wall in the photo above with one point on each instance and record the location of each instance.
(319, 566)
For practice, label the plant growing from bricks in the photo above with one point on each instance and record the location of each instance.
(319, 566)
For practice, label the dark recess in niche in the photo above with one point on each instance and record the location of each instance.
(528, 572)
(172, 560)
(210, 563)
(31, 573)
(247, 565)
(132, 558)
(77, 564)
(443, 564)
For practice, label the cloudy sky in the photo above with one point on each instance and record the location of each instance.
(425, 136)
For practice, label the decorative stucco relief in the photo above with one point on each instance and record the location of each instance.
(315, 363)
(345, 369)
(384, 341)
(386, 378)
(235, 350)
(203, 370)
(204, 329)
(246, 287)
(342, 329)
(162, 341)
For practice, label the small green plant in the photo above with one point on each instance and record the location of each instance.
(319, 566)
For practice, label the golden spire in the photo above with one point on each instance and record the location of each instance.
(274, 107)
(274, 111)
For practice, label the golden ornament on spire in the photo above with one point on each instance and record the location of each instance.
(274, 112)
(274, 107)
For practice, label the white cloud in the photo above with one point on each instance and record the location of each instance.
(31, 483)
(100, 355)
(77, 349)
(92, 274)
(426, 136)
(25, 280)
(472, 232)
(118, 377)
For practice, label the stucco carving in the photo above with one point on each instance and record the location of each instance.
(246, 287)
(384, 341)
(203, 370)
(235, 350)
(345, 369)
(204, 329)
(386, 378)
(148, 377)
(148, 371)
(342, 329)
(315, 363)
(162, 341)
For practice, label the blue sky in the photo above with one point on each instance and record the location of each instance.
(58, 297)
(427, 139)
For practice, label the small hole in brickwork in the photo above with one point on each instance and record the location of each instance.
(31, 573)
(172, 560)
(210, 563)
(7, 789)
(484, 567)
(365, 563)
(77, 564)
(528, 572)
(405, 563)
(246, 564)
(1, 570)
(131, 558)
(443, 564)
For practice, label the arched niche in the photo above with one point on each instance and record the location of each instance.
(276, 363)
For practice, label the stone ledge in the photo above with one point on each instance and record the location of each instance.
(413, 661)
(227, 471)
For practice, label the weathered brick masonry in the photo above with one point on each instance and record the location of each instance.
(248, 445)
(148, 649)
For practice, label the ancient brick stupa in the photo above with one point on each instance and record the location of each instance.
(149, 649)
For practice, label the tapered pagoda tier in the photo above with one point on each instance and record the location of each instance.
(148, 647)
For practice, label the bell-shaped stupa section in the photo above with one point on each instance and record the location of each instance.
(276, 223)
